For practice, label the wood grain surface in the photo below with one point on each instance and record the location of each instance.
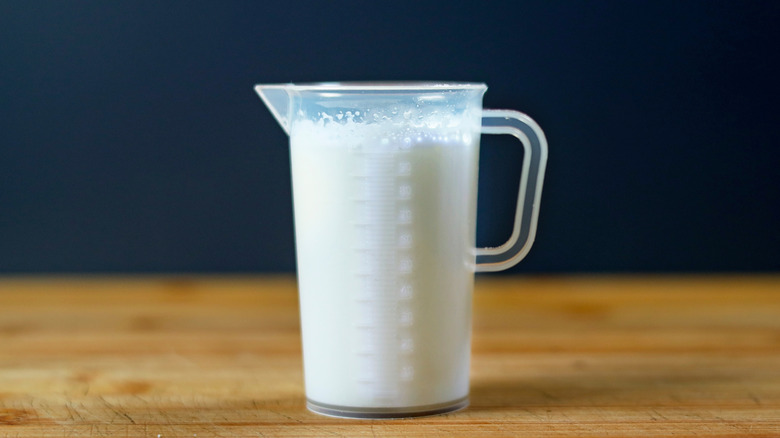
(552, 356)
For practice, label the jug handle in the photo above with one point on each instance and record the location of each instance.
(534, 143)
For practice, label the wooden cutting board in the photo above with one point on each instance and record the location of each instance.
(552, 356)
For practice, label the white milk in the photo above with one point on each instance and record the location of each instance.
(385, 235)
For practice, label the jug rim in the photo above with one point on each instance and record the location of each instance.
(379, 86)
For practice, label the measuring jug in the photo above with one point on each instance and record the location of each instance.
(385, 192)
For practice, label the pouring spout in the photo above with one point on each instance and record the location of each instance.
(277, 98)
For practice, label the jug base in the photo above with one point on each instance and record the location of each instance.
(368, 413)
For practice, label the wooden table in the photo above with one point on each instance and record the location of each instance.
(552, 356)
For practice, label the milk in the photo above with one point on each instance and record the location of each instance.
(385, 222)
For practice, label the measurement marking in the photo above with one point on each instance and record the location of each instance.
(382, 244)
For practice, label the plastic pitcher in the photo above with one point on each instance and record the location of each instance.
(385, 194)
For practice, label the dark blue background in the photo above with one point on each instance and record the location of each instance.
(131, 138)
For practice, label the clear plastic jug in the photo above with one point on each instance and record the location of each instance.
(385, 194)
